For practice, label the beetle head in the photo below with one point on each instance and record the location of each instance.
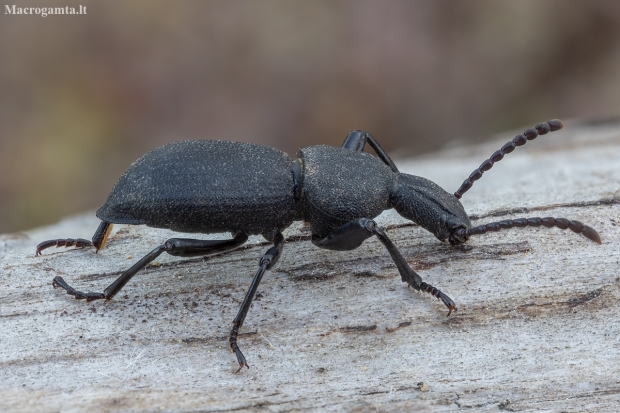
(427, 204)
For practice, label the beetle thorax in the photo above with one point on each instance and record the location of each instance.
(340, 185)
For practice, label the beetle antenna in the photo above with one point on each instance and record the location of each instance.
(548, 222)
(519, 140)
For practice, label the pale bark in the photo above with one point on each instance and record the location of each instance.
(537, 326)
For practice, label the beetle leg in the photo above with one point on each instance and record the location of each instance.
(99, 240)
(351, 235)
(357, 139)
(180, 247)
(347, 237)
(266, 262)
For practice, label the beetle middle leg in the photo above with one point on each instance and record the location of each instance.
(266, 262)
(351, 235)
(180, 247)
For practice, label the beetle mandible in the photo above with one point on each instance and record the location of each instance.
(211, 186)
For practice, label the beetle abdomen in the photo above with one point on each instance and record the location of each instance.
(205, 186)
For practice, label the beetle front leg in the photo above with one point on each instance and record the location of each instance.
(353, 233)
(266, 263)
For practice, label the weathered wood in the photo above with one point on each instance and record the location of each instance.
(537, 328)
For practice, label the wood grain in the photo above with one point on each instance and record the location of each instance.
(537, 326)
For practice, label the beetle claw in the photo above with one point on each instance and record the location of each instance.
(450, 309)
(448, 303)
(240, 359)
(241, 365)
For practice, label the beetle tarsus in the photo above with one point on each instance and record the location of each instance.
(98, 241)
(427, 288)
(60, 282)
(235, 348)
(66, 242)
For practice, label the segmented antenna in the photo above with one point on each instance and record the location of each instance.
(548, 222)
(519, 140)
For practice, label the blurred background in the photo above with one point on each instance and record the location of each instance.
(81, 97)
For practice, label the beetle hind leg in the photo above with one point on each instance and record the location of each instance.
(99, 240)
(180, 247)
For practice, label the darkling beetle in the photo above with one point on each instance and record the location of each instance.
(207, 186)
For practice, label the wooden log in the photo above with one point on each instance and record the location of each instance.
(537, 326)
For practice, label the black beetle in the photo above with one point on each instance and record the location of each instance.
(209, 186)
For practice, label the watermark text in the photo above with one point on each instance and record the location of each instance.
(44, 11)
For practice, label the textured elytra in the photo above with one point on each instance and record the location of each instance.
(341, 185)
(205, 186)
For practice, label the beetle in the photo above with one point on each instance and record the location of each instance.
(214, 186)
